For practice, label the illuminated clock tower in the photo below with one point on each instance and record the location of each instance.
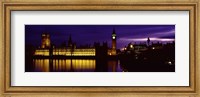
(46, 43)
(114, 44)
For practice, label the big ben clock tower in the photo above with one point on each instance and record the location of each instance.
(114, 44)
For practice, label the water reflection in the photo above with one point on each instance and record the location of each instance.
(73, 65)
(41, 65)
(77, 65)
(114, 66)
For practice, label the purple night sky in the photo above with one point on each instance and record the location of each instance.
(88, 34)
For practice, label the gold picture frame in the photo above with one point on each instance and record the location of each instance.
(159, 5)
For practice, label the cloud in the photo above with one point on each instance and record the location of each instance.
(145, 39)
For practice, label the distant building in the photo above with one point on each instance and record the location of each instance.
(138, 48)
(156, 45)
(135, 48)
(130, 47)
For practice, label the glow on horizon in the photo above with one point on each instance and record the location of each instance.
(145, 39)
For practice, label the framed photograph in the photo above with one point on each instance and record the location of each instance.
(99, 48)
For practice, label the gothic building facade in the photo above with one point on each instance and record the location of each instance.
(71, 50)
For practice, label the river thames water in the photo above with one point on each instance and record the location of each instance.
(75, 65)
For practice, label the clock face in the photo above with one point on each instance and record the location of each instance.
(113, 37)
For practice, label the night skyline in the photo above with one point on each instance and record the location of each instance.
(100, 48)
(88, 34)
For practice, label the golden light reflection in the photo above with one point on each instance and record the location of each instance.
(56, 65)
(68, 65)
(74, 64)
(41, 65)
(112, 65)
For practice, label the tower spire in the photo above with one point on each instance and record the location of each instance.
(148, 41)
(70, 40)
(114, 42)
(70, 37)
(113, 31)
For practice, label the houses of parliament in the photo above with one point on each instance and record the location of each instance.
(47, 49)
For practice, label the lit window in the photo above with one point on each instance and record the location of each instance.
(124, 48)
(131, 46)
